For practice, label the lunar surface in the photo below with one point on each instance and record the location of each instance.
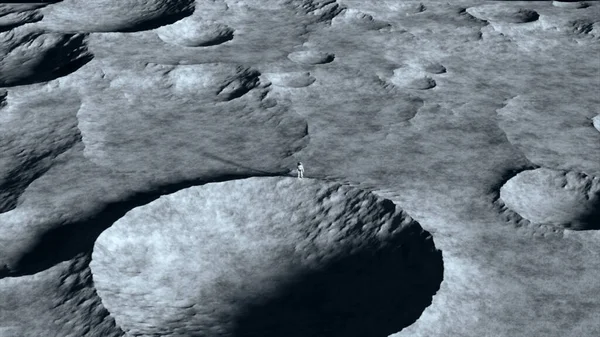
(148, 153)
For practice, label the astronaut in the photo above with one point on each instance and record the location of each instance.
(300, 170)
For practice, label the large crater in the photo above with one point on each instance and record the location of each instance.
(28, 56)
(555, 197)
(266, 257)
(114, 15)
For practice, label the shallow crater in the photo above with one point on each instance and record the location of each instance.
(495, 13)
(558, 198)
(358, 19)
(311, 57)
(297, 79)
(266, 257)
(434, 68)
(194, 33)
(412, 78)
(405, 7)
(570, 4)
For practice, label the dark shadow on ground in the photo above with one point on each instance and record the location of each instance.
(590, 220)
(367, 294)
(62, 60)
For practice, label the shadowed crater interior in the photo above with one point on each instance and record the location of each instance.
(266, 257)
(28, 57)
(14, 15)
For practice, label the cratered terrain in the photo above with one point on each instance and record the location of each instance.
(148, 153)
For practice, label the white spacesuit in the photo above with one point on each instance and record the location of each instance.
(300, 170)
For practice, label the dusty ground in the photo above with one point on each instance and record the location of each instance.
(479, 119)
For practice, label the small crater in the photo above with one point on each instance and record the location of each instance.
(189, 33)
(522, 16)
(31, 57)
(114, 15)
(570, 4)
(495, 13)
(311, 57)
(278, 257)
(406, 7)
(422, 83)
(411, 78)
(596, 122)
(357, 18)
(291, 80)
(434, 68)
(552, 197)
